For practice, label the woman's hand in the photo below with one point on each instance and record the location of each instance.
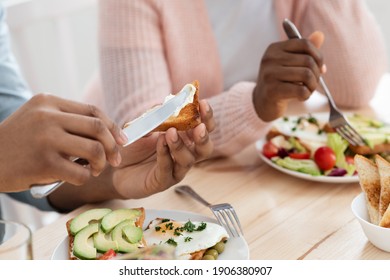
(38, 140)
(159, 161)
(289, 70)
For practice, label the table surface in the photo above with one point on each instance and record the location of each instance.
(283, 217)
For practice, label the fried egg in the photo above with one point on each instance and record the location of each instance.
(188, 237)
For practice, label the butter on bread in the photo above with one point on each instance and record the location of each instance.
(186, 118)
(189, 115)
(370, 183)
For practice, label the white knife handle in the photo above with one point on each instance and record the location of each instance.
(40, 191)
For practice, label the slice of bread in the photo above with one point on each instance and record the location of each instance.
(370, 183)
(384, 174)
(188, 118)
(138, 223)
(385, 220)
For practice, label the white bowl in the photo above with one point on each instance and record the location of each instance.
(378, 236)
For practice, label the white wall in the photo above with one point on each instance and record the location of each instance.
(39, 46)
(381, 11)
(55, 42)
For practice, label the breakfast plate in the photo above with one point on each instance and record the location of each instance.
(235, 249)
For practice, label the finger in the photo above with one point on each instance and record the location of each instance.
(301, 60)
(165, 164)
(206, 113)
(143, 148)
(288, 90)
(93, 128)
(93, 111)
(183, 157)
(91, 150)
(298, 75)
(304, 46)
(317, 38)
(71, 172)
(203, 145)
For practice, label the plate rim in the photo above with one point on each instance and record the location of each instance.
(154, 213)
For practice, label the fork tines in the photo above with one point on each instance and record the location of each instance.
(351, 135)
(227, 217)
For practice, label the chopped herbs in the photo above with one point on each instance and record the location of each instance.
(169, 226)
(189, 226)
(187, 239)
(201, 227)
(172, 242)
(165, 220)
(285, 119)
(178, 231)
(310, 119)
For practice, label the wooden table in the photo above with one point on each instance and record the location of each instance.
(283, 217)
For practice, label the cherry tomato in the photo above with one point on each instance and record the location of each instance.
(270, 150)
(325, 158)
(108, 255)
(349, 160)
(299, 155)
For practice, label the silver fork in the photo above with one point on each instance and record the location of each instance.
(336, 119)
(224, 212)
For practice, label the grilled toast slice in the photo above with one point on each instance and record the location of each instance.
(189, 115)
(370, 183)
(187, 118)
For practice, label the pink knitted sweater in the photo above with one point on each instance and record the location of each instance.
(151, 48)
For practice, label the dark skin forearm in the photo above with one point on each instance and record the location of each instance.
(69, 197)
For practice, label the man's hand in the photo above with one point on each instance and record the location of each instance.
(38, 141)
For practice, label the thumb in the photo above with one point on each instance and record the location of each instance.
(317, 38)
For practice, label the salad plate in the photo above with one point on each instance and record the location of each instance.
(309, 130)
(321, 178)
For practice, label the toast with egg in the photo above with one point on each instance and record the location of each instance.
(192, 240)
(187, 118)
(107, 227)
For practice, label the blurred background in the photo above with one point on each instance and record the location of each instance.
(55, 43)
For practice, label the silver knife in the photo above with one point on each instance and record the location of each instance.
(136, 130)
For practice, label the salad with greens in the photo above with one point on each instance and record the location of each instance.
(330, 159)
(306, 144)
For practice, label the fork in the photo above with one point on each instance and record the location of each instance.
(336, 118)
(224, 212)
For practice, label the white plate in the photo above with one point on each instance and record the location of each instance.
(286, 129)
(235, 249)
